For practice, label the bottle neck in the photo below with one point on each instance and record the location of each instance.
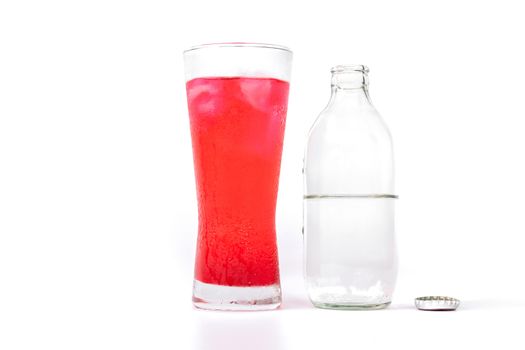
(350, 85)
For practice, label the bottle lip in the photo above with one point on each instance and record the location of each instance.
(238, 44)
(349, 68)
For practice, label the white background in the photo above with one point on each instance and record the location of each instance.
(97, 199)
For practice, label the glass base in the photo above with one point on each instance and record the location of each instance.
(341, 306)
(215, 297)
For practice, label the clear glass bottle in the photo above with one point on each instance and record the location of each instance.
(350, 251)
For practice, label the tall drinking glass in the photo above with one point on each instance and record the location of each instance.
(237, 101)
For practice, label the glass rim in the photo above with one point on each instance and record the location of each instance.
(238, 44)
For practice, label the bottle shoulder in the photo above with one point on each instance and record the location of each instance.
(349, 153)
(340, 127)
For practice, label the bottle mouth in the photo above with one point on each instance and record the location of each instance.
(350, 68)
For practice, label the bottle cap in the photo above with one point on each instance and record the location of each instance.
(436, 303)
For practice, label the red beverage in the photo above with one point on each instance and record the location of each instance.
(237, 129)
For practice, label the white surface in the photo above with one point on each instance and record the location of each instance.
(97, 202)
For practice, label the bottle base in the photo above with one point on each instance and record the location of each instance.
(225, 298)
(349, 306)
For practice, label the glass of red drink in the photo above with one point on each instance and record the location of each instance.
(237, 101)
